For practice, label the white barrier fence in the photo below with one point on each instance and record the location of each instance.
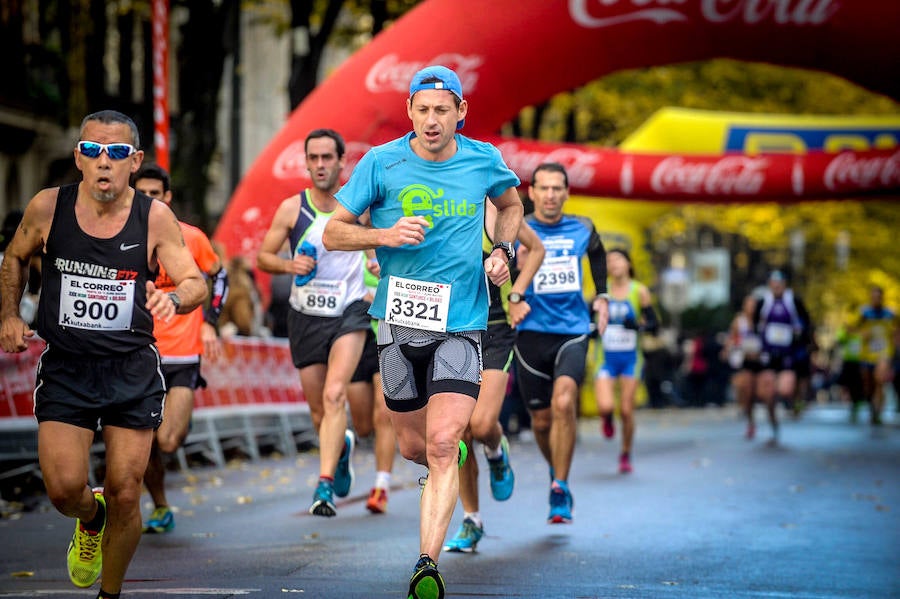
(253, 398)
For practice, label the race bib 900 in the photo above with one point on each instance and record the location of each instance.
(98, 304)
(417, 304)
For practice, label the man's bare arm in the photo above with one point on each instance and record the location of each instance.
(267, 258)
(343, 232)
(28, 240)
(176, 258)
(509, 215)
(533, 257)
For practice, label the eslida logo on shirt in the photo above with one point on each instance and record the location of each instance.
(421, 200)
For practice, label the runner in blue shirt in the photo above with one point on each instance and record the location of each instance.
(425, 194)
(552, 340)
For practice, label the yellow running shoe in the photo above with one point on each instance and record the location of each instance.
(84, 556)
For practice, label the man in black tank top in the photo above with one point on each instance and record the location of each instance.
(101, 244)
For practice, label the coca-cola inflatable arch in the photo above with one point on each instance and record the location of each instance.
(515, 53)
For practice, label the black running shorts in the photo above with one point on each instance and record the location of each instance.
(497, 346)
(368, 361)
(183, 375)
(544, 357)
(126, 391)
(311, 337)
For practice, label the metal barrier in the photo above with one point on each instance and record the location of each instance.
(252, 399)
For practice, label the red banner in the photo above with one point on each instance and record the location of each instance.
(160, 24)
(515, 53)
(730, 177)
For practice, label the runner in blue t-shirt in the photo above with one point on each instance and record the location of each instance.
(425, 195)
(552, 340)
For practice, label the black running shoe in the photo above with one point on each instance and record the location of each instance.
(426, 581)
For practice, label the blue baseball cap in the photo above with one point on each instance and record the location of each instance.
(777, 275)
(441, 78)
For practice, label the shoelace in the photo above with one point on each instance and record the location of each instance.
(159, 515)
(468, 530)
(425, 562)
(498, 470)
(558, 497)
(88, 546)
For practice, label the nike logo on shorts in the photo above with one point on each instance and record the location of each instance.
(125, 247)
(154, 414)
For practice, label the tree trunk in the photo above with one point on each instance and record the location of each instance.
(305, 60)
(200, 69)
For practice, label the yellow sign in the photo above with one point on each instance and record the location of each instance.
(687, 131)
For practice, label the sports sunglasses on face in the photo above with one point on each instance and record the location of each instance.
(93, 149)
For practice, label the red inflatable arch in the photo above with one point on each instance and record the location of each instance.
(514, 53)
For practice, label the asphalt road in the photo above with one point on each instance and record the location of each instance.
(705, 514)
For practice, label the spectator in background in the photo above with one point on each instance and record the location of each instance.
(659, 371)
(242, 312)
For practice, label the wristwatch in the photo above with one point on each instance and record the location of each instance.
(515, 298)
(507, 247)
(175, 300)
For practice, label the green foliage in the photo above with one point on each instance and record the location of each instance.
(609, 109)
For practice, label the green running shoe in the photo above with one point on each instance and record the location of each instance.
(426, 581)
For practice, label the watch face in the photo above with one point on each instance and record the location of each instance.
(506, 247)
(515, 298)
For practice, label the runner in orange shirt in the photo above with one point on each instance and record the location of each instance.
(181, 341)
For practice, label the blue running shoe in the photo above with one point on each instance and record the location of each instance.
(426, 581)
(561, 503)
(323, 504)
(343, 475)
(466, 538)
(161, 520)
(502, 478)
